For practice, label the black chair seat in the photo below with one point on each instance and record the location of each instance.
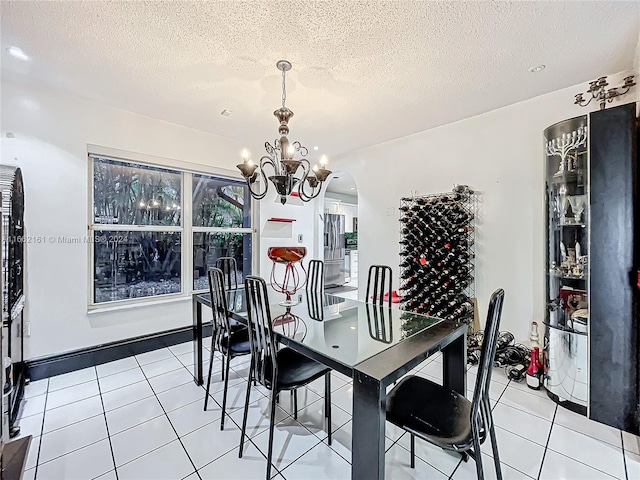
(415, 399)
(239, 343)
(295, 370)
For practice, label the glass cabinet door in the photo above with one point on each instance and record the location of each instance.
(567, 192)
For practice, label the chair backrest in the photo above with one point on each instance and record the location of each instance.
(315, 276)
(221, 327)
(379, 283)
(379, 323)
(229, 268)
(315, 304)
(261, 339)
(481, 409)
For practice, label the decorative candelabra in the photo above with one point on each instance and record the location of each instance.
(563, 145)
(292, 280)
(598, 91)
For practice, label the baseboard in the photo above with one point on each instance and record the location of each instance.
(50, 366)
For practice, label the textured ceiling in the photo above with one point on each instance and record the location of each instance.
(363, 72)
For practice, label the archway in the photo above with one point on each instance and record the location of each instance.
(340, 234)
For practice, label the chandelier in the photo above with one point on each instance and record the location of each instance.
(281, 156)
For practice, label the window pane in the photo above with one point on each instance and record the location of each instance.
(220, 203)
(131, 194)
(208, 247)
(135, 264)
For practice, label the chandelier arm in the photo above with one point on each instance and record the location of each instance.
(264, 161)
(304, 196)
(304, 151)
(271, 150)
(257, 194)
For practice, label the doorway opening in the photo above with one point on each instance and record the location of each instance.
(341, 234)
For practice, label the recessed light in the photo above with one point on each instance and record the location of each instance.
(18, 53)
(537, 68)
(315, 148)
(352, 188)
(225, 112)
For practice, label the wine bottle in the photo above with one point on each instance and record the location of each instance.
(533, 373)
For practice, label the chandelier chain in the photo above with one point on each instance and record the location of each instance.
(284, 89)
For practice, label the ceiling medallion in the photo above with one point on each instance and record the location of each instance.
(281, 157)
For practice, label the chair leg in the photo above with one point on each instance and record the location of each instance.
(224, 394)
(272, 421)
(494, 447)
(206, 396)
(246, 410)
(327, 404)
(222, 371)
(477, 456)
(413, 450)
(295, 403)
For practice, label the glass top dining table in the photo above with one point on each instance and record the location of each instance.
(373, 344)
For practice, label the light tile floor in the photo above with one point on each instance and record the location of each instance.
(142, 418)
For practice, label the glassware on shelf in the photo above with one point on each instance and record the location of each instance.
(578, 203)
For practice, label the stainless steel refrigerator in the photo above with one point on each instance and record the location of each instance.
(334, 245)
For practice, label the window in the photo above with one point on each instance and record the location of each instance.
(221, 226)
(140, 245)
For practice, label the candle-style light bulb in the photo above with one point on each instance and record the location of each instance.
(245, 155)
(291, 151)
(323, 161)
(315, 168)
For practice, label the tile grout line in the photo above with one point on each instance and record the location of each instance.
(278, 472)
(624, 457)
(605, 474)
(168, 419)
(44, 413)
(104, 414)
(544, 454)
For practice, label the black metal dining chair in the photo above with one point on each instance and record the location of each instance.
(315, 276)
(379, 323)
(229, 268)
(229, 342)
(276, 370)
(379, 283)
(446, 418)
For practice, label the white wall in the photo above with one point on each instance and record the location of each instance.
(275, 234)
(500, 155)
(51, 135)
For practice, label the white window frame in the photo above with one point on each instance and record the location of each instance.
(219, 229)
(186, 229)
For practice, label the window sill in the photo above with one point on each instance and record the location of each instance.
(128, 306)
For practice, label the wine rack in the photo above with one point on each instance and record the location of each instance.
(437, 254)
